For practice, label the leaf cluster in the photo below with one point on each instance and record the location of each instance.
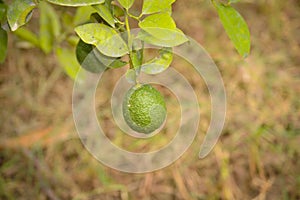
(104, 39)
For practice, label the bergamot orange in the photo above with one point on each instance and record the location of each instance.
(144, 108)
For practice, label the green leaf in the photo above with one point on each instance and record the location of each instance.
(54, 19)
(83, 15)
(131, 76)
(126, 3)
(3, 8)
(67, 21)
(236, 28)
(108, 3)
(68, 62)
(76, 2)
(49, 27)
(19, 13)
(87, 58)
(162, 27)
(117, 64)
(111, 62)
(159, 64)
(96, 18)
(157, 24)
(168, 10)
(72, 40)
(3, 45)
(106, 39)
(177, 39)
(105, 13)
(93, 61)
(136, 59)
(28, 36)
(117, 11)
(154, 6)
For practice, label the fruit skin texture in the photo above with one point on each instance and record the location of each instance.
(144, 108)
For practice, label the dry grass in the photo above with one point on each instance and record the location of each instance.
(257, 156)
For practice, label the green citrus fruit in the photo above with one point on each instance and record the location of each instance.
(144, 108)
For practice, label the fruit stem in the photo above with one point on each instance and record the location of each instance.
(130, 42)
(128, 32)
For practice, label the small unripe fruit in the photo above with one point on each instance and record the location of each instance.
(144, 108)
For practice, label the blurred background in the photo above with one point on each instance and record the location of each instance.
(257, 156)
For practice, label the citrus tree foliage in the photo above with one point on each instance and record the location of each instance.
(99, 35)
